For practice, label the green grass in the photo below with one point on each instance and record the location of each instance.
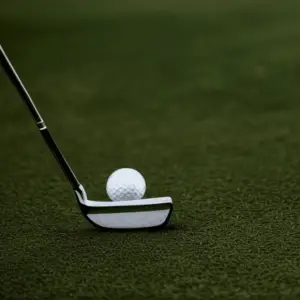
(202, 97)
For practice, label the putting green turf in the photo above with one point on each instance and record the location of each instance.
(203, 98)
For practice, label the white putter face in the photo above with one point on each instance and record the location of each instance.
(135, 214)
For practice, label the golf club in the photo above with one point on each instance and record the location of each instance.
(135, 214)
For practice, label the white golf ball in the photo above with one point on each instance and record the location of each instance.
(125, 184)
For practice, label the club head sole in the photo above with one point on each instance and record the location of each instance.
(134, 214)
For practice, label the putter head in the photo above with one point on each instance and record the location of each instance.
(135, 214)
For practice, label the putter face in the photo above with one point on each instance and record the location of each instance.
(135, 214)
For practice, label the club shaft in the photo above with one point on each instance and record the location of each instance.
(16, 81)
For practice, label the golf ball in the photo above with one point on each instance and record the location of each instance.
(125, 184)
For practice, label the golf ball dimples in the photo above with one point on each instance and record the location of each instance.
(125, 184)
